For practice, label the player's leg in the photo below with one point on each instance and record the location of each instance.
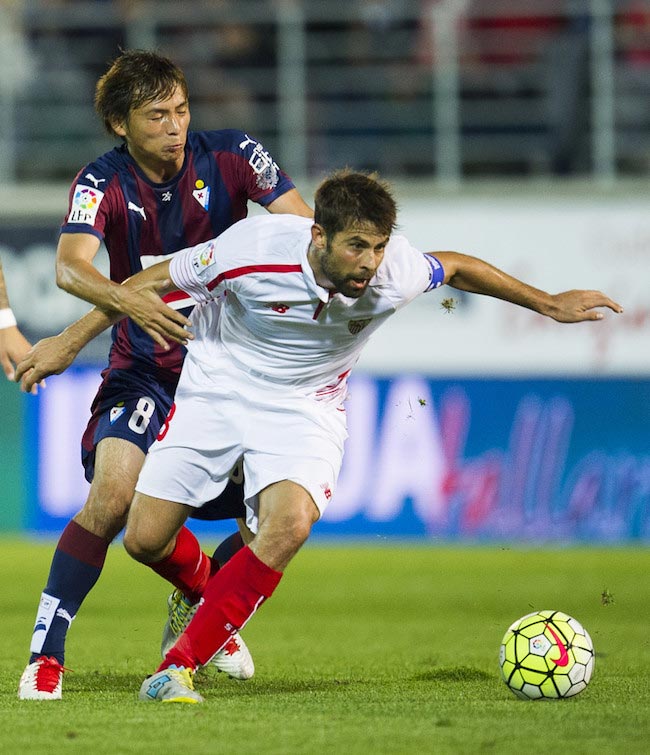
(125, 419)
(77, 563)
(235, 659)
(233, 593)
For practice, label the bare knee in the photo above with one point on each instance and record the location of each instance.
(141, 551)
(152, 528)
(299, 530)
(117, 465)
(287, 514)
(143, 543)
(105, 511)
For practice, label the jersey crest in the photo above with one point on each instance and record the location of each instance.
(356, 326)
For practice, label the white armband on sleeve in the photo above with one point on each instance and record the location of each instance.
(193, 271)
(7, 318)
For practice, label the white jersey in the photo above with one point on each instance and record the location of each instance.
(276, 322)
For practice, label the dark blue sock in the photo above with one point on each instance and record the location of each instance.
(227, 549)
(76, 566)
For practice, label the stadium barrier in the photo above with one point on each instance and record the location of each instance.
(454, 459)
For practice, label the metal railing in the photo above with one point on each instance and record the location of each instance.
(444, 89)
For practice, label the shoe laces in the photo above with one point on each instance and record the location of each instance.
(186, 674)
(48, 674)
(180, 613)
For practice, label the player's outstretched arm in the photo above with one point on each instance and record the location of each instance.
(76, 274)
(53, 355)
(477, 276)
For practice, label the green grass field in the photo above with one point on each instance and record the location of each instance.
(363, 649)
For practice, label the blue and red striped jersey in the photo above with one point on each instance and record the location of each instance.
(142, 222)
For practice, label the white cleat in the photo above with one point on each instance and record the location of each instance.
(234, 658)
(41, 680)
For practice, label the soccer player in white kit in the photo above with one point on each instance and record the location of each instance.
(264, 381)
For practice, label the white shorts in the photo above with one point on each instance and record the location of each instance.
(228, 415)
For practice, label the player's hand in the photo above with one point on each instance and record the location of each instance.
(142, 303)
(50, 356)
(578, 306)
(13, 348)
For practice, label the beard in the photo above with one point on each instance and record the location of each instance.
(352, 286)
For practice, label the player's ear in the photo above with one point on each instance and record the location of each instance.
(318, 237)
(119, 128)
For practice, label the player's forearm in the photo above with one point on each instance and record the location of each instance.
(477, 276)
(82, 279)
(154, 277)
(82, 332)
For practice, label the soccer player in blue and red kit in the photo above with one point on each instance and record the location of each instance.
(163, 189)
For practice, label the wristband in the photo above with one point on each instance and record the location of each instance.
(7, 319)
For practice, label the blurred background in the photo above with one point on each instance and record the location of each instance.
(513, 130)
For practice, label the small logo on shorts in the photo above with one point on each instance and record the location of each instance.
(327, 491)
(116, 412)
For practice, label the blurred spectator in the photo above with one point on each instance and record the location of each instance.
(633, 34)
(223, 58)
(566, 75)
(526, 66)
(16, 60)
(17, 67)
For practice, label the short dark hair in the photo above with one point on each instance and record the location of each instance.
(133, 79)
(348, 197)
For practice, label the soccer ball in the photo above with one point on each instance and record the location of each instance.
(546, 655)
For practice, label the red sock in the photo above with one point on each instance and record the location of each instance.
(83, 545)
(230, 598)
(187, 567)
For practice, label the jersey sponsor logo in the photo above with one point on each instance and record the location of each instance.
(136, 208)
(166, 196)
(263, 165)
(115, 413)
(85, 204)
(356, 326)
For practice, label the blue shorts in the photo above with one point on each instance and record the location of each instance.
(133, 406)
